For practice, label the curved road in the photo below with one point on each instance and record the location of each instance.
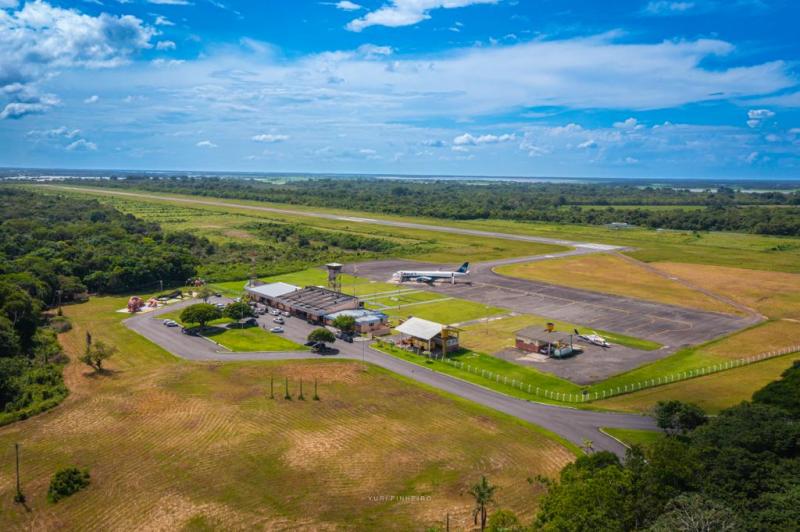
(572, 424)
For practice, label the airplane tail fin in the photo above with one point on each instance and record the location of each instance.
(464, 268)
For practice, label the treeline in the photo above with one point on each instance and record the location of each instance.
(53, 250)
(736, 471)
(50, 243)
(723, 209)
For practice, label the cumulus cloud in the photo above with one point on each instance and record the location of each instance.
(629, 123)
(8, 4)
(407, 12)
(82, 145)
(589, 144)
(16, 110)
(755, 117)
(270, 138)
(346, 5)
(206, 144)
(469, 140)
(39, 39)
(165, 45)
(94, 98)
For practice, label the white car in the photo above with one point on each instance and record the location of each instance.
(285, 314)
(170, 323)
(279, 320)
(276, 330)
(275, 312)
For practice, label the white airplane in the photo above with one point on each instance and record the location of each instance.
(430, 276)
(593, 338)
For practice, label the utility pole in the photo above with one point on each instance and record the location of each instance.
(19, 497)
(161, 284)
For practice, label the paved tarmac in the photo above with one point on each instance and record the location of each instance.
(668, 325)
(572, 424)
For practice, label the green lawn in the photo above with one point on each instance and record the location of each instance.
(250, 339)
(635, 437)
(447, 311)
(483, 369)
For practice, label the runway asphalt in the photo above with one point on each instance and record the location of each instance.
(572, 424)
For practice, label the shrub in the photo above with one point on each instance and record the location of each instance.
(67, 482)
(60, 324)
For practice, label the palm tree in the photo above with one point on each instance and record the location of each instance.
(483, 493)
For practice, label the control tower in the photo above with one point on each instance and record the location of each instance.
(334, 279)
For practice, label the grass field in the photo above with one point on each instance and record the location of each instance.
(447, 311)
(478, 362)
(773, 294)
(499, 334)
(614, 275)
(178, 445)
(224, 223)
(712, 393)
(635, 437)
(251, 339)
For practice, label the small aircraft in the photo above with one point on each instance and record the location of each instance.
(429, 276)
(593, 338)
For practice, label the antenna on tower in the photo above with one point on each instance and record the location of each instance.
(334, 279)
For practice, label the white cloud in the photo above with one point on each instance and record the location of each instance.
(469, 140)
(346, 5)
(163, 21)
(165, 45)
(82, 145)
(39, 39)
(407, 12)
(629, 123)
(756, 117)
(8, 4)
(94, 98)
(752, 157)
(270, 138)
(206, 144)
(59, 132)
(667, 7)
(589, 144)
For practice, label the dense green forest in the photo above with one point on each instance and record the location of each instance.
(51, 249)
(736, 471)
(724, 209)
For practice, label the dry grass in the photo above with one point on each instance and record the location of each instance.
(172, 444)
(773, 294)
(769, 336)
(614, 275)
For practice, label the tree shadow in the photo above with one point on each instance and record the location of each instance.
(103, 373)
(211, 331)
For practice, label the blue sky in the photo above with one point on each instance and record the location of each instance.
(630, 88)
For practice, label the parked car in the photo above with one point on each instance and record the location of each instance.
(251, 321)
(217, 294)
(170, 323)
(279, 320)
(285, 314)
(276, 330)
(275, 312)
(190, 332)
